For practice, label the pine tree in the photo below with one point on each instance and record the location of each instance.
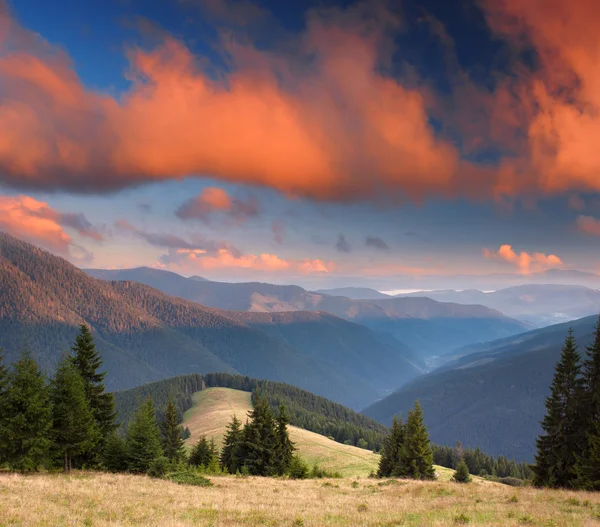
(202, 453)
(588, 462)
(390, 461)
(28, 416)
(461, 474)
(558, 447)
(172, 434)
(417, 456)
(88, 362)
(231, 451)
(3, 409)
(143, 438)
(284, 450)
(260, 440)
(75, 430)
(114, 455)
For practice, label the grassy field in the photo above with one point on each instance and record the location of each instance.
(214, 407)
(109, 500)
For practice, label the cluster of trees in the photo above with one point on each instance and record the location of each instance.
(480, 463)
(68, 420)
(406, 451)
(568, 451)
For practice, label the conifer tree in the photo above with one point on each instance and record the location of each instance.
(88, 361)
(461, 474)
(3, 410)
(143, 442)
(28, 416)
(557, 447)
(260, 440)
(231, 451)
(284, 450)
(114, 455)
(172, 434)
(202, 453)
(417, 456)
(393, 444)
(75, 430)
(588, 462)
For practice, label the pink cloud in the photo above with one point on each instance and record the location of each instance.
(524, 262)
(216, 200)
(589, 225)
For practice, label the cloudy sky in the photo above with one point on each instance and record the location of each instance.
(299, 142)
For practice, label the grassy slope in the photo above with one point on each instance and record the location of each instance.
(104, 500)
(214, 407)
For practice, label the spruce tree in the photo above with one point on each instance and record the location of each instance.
(88, 361)
(143, 442)
(461, 474)
(558, 446)
(202, 453)
(172, 434)
(3, 410)
(231, 452)
(417, 456)
(393, 444)
(75, 430)
(260, 440)
(284, 450)
(114, 455)
(28, 416)
(588, 462)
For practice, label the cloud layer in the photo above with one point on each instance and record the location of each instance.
(525, 262)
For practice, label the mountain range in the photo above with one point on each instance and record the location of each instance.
(427, 326)
(146, 335)
(493, 395)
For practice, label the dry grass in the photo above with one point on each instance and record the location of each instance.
(103, 499)
(214, 407)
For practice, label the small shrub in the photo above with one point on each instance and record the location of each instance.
(461, 475)
(513, 499)
(158, 468)
(298, 469)
(355, 484)
(527, 519)
(189, 478)
(513, 482)
(462, 519)
(318, 473)
(298, 522)
(362, 507)
(573, 501)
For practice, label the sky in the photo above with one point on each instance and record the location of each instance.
(303, 142)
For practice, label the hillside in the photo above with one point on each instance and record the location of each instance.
(497, 386)
(424, 325)
(538, 304)
(214, 407)
(355, 293)
(145, 335)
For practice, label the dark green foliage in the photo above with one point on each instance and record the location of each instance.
(284, 449)
(159, 467)
(417, 456)
(298, 469)
(558, 446)
(172, 434)
(202, 453)
(390, 463)
(3, 410)
(114, 456)
(28, 416)
(75, 430)
(259, 440)
(143, 438)
(185, 433)
(188, 477)
(231, 453)
(88, 361)
(461, 474)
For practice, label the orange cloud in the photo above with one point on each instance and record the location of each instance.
(525, 262)
(213, 199)
(35, 221)
(589, 225)
(224, 259)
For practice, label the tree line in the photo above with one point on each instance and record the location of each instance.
(568, 450)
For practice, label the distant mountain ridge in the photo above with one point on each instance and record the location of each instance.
(146, 335)
(427, 326)
(493, 395)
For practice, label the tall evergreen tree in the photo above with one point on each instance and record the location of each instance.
(114, 455)
(417, 456)
(88, 361)
(284, 449)
(391, 452)
(231, 459)
(558, 446)
(143, 441)
(172, 434)
(28, 416)
(202, 453)
(3, 409)
(75, 430)
(260, 440)
(588, 462)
